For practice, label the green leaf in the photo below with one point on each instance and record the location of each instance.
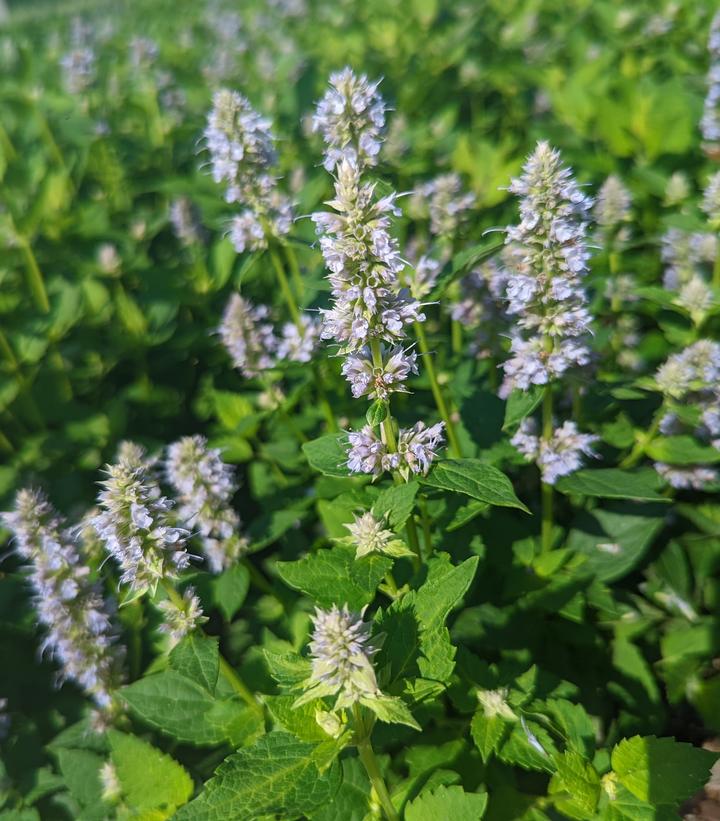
(682, 450)
(335, 576)
(622, 805)
(288, 669)
(81, 771)
(520, 404)
(391, 710)
(276, 776)
(188, 712)
(447, 804)
(197, 658)
(476, 479)
(352, 800)
(328, 454)
(300, 721)
(661, 770)
(575, 786)
(149, 779)
(613, 483)
(487, 732)
(396, 503)
(230, 589)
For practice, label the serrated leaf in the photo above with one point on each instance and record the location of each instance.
(287, 669)
(81, 771)
(300, 721)
(447, 804)
(328, 454)
(185, 710)
(230, 589)
(352, 800)
(474, 478)
(391, 710)
(197, 658)
(487, 732)
(613, 483)
(396, 503)
(335, 576)
(575, 786)
(277, 775)
(149, 779)
(661, 770)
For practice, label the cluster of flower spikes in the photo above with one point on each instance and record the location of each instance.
(710, 123)
(205, 485)
(341, 650)
(78, 65)
(545, 293)
(242, 155)
(253, 343)
(692, 377)
(371, 309)
(445, 202)
(80, 632)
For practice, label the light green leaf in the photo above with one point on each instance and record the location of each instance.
(81, 771)
(613, 483)
(150, 780)
(447, 804)
(474, 478)
(276, 776)
(487, 732)
(288, 670)
(197, 657)
(300, 721)
(335, 576)
(230, 589)
(328, 454)
(391, 710)
(575, 786)
(661, 770)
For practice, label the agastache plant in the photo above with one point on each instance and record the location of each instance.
(80, 635)
(710, 123)
(545, 294)
(370, 311)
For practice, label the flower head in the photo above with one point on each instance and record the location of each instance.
(205, 486)
(370, 535)
(298, 343)
(378, 382)
(80, 634)
(350, 117)
(684, 478)
(136, 527)
(710, 123)
(181, 617)
(341, 650)
(711, 200)
(445, 202)
(248, 336)
(613, 204)
(558, 456)
(184, 220)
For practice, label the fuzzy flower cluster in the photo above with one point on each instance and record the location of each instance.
(416, 449)
(612, 207)
(445, 201)
(684, 254)
(78, 69)
(350, 117)
(242, 155)
(421, 276)
(544, 290)
(559, 456)
(136, 526)
(182, 617)
(205, 486)
(185, 223)
(681, 478)
(342, 651)
(80, 634)
(710, 123)
(249, 337)
(369, 534)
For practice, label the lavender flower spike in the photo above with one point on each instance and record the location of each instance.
(205, 486)
(136, 527)
(80, 633)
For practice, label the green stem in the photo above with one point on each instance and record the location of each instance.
(325, 406)
(228, 672)
(547, 491)
(641, 445)
(456, 336)
(292, 259)
(388, 435)
(36, 283)
(285, 288)
(437, 393)
(367, 756)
